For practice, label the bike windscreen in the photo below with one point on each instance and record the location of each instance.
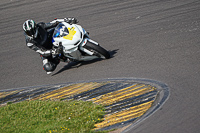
(60, 30)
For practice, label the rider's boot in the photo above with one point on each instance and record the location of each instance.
(48, 66)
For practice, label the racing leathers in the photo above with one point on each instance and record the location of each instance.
(41, 42)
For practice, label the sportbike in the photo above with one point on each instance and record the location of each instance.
(74, 44)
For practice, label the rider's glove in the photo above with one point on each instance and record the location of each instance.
(71, 20)
(54, 52)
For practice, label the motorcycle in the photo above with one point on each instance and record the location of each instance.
(74, 44)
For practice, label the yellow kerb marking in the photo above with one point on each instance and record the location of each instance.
(4, 94)
(110, 95)
(55, 92)
(71, 34)
(70, 90)
(125, 115)
(125, 93)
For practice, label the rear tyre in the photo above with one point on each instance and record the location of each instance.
(99, 51)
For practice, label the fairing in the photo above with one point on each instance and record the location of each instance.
(67, 34)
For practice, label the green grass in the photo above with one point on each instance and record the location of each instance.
(50, 116)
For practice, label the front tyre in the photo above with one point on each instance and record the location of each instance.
(98, 50)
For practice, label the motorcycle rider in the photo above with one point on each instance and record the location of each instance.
(39, 38)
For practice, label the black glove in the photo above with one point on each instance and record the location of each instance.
(57, 49)
(71, 20)
(54, 52)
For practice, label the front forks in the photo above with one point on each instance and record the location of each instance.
(86, 51)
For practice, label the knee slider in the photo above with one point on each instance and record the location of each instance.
(49, 67)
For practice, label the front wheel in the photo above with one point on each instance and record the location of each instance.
(98, 50)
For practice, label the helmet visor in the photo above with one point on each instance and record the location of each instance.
(31, 32)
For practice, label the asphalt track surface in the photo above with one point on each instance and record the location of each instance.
(151, 39)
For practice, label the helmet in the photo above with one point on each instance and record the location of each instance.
(29, 27)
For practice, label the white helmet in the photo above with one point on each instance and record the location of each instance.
(29, 27)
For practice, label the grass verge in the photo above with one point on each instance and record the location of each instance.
(50, 116)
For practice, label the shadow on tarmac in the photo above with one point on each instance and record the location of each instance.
(72, 65)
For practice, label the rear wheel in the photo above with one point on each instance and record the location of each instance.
(98, 50)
